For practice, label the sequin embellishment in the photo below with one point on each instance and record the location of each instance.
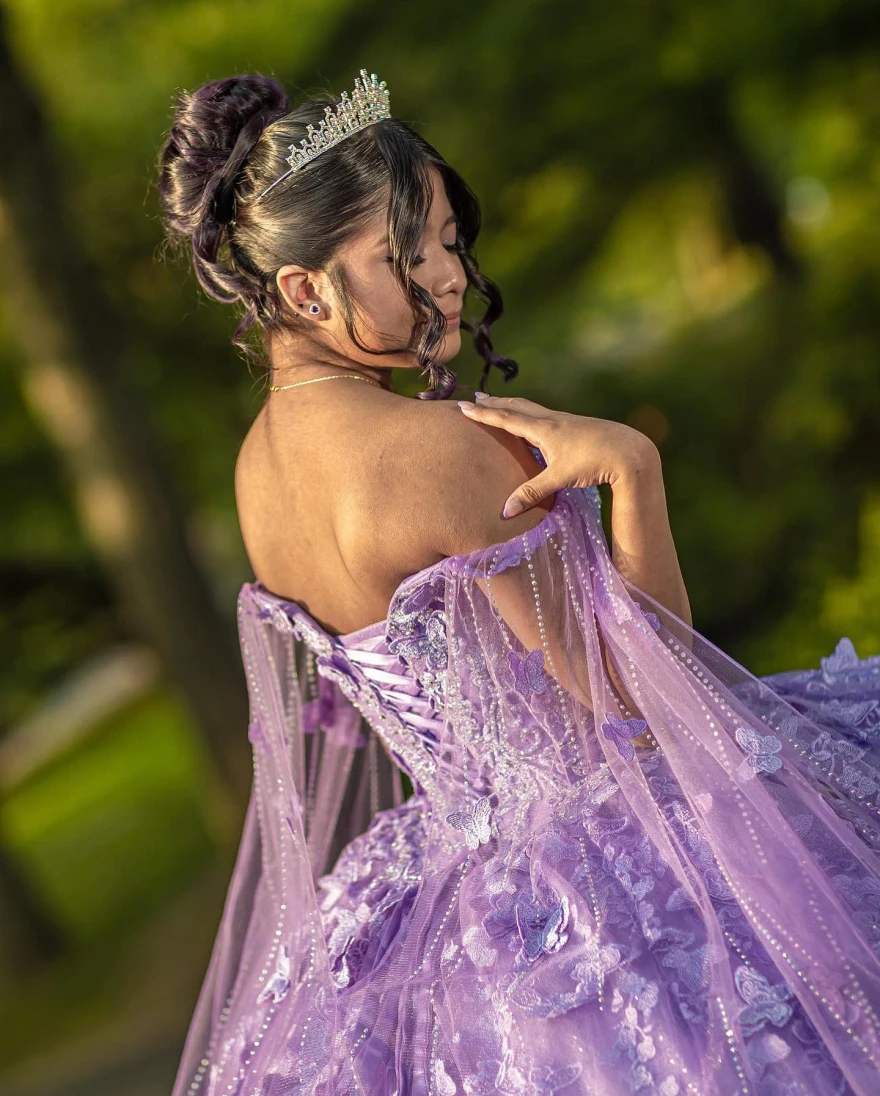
(279, 983)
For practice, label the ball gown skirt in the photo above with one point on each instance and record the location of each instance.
(628, 865)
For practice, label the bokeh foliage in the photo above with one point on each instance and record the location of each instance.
(607, 145)
(681, 207)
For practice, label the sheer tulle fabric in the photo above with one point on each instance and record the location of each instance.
(557, 908)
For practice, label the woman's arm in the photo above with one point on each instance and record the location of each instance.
(580, 451)
(642, 547)
(643, 550)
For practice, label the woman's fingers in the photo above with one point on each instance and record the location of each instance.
(527, 420)
(514, 422)
(509, 415)
(513, 403)
(530, 492)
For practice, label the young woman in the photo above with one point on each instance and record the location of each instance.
(627, 864)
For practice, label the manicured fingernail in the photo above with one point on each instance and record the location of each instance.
(480, 395)
(511, 508)
(465, 406)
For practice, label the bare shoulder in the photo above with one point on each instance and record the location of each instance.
(436, 485)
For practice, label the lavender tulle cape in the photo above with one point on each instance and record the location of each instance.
(556, 909)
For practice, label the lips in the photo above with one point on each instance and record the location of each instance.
(452, 317)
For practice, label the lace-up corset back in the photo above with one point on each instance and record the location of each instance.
(392, 671)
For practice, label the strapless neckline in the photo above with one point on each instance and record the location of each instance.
(359, 635)
(378, 628)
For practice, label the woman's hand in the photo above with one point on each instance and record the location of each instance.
(579, 451)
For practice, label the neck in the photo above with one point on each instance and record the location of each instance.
(288, 367)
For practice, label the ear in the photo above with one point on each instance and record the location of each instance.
(292, 282)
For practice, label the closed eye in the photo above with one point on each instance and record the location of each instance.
(419, 259)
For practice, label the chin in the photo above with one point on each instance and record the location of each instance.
(451, 344)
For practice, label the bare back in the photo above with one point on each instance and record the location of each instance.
(342, 497)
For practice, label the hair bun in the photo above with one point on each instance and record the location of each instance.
(214, 130)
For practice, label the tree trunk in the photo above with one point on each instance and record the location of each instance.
(76, 349)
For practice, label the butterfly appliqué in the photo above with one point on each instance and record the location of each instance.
(620, 731)
(764, 1004)
(841, 662)
(760, 750)
(474, 821)
(528, 673)
(542, 931)
(279, 983)
(652, 619)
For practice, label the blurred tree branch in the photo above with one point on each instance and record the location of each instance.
(31, 934)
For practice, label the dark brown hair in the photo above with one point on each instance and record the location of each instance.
(228, 142)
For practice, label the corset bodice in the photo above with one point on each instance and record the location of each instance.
(393, 670)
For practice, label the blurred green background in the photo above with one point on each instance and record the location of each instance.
(682, 209)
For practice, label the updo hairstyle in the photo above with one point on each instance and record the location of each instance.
(229, 141)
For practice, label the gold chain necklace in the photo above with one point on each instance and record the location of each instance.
(314, 380)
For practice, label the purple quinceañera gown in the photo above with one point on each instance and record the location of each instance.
(556, 909)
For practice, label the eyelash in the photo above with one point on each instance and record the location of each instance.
(419, 259)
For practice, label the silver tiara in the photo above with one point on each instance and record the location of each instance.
(370, 102)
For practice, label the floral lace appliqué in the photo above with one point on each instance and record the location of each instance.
(635, 1031)
(416, 633)
(501, 1077)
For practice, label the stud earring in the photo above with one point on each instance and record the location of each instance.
(314, 308)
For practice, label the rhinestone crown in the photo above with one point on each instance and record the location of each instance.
(370, 102)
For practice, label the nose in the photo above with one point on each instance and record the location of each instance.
(452, 279)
